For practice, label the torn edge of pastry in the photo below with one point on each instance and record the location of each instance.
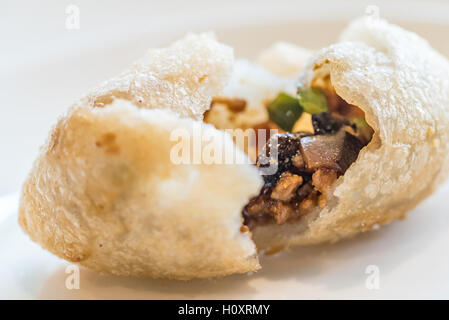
(105, 193)
(313, 150)
(393, 89)
(310, 154)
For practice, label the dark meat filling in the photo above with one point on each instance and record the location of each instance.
(307, 165)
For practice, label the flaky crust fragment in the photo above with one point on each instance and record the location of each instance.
(105, 193)
(402, 84)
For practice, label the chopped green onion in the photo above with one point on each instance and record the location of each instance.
(313, 100)
(284, 111)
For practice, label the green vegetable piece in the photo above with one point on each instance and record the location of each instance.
(360, 123)
(313, 100)
(284, 111)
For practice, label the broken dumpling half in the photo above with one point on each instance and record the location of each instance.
(106, 193)
(356, 139)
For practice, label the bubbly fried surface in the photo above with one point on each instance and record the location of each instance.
(402, 85)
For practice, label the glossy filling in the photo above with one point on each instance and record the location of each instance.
(320, 136)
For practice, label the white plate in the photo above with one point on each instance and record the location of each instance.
(410, 257)
(46, 67)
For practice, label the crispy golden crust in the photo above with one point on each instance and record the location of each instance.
(105, 193)
(403, 86)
